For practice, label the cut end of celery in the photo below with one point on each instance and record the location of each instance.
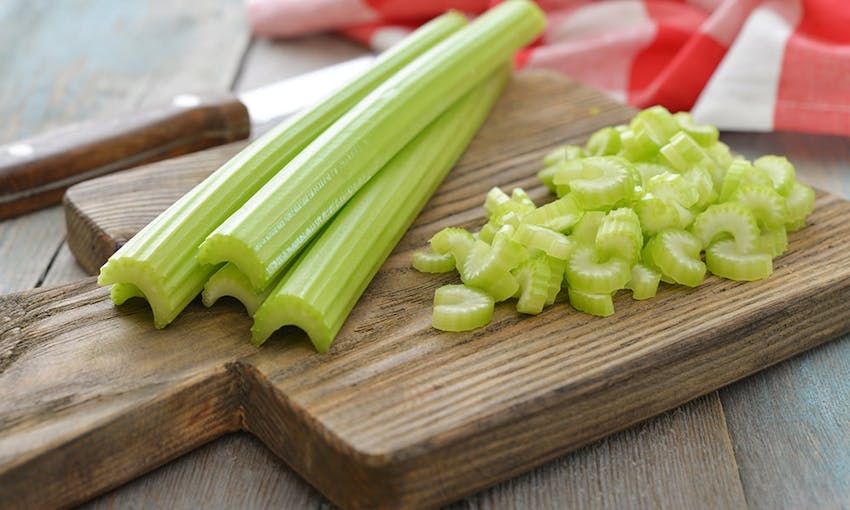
(133, 278)
(218, 248)
(288, 310)
(230, 281)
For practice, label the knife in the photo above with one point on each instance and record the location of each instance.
(35, 172)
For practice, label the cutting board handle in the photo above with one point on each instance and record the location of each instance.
(35, 172)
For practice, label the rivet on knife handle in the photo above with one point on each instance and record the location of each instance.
(35, 172)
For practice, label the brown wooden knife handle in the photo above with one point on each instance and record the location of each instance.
(35, 172)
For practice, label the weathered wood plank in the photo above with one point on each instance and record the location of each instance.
(791, 424)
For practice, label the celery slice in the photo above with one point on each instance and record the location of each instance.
(560, 214)
(428, 261)
(800, 202)
(322, 286)
(728, 218)
(604, 142)
(780, 170)
(557, 267)
(704, 134)
(644, 282)
(554, 244)
(601, 305)
(534, 277)
(603, 182)
(772, 242)
(563, 153)
(461, 308)
(767, 205)
(676, 254)
(619, 235)
(723, 259)
(229, 281)
(282, 217)
(587, 273)
(160, 260)
(587, 228)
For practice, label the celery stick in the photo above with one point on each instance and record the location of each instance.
(281, 218)
(320, 289)
(160, 261)
(229, 281)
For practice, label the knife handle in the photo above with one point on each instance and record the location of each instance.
(35, 172)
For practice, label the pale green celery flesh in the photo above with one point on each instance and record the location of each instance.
(288, 211)
(322, 286)
(229, 281)
(161, 259)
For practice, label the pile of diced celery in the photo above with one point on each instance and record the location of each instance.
(659, 199)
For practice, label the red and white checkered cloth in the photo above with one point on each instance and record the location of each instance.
(740, 64)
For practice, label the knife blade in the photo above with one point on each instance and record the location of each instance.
(35, 172)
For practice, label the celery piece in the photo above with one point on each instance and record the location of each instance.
(461, 308)
(585, 230)
(319, 290)
(644, 282)
(742, 172)
(534, 277)
(676, 254)
(554, 244)
(780, 170)
(601, 305)
(494, 200)
(604, 142)
(563, 153)
(557, 267)
(704, 134)
(800, 201)
(282, 217)
(229, 281)
(588, 273)
(455, 241)
(766, 204)
(605, 182)
(656, 214)
(560, 214)
(772, 242)
(723, 259)
(619, 235)
(488, 267)
(429, 261)
(160, 260)
(682, 152)
(729, 218)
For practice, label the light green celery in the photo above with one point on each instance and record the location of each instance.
(429, 261)
(534, 277)
(676, 254)
(644, 282)
(728, 218)
(461, 308)
(723, 259)
(229, 281)
(601, 305)
(160, 261)
(587, 273)
(282, 217)
(322, 286)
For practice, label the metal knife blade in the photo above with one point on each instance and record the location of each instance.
(35, 172)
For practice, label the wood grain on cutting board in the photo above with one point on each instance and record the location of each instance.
(398, 413)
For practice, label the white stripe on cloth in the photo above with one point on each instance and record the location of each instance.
(596, 44)
(741, 94)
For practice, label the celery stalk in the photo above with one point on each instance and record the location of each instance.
(271, 228)
(229, 281)
(321, 287)
(160, 261)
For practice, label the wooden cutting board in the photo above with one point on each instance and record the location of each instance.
(396, 414)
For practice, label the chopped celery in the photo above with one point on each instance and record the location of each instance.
(644, 282)
(601, 305)
(160, 261)
(729, 218)
(319, 290)
(534, 277)
(676, 254)
(587, 273)
(723, 259)
(461, 308)
(229, 281)
(281, 218)
(636, 207)
(428, 261)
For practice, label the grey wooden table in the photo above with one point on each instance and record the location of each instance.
(779, 439)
